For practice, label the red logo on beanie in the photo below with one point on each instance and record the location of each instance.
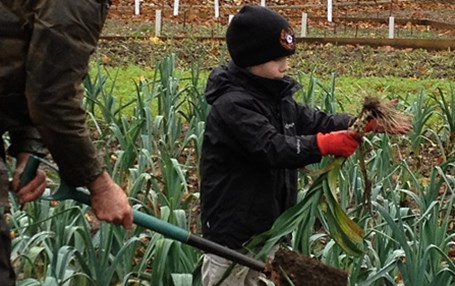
(287, 39)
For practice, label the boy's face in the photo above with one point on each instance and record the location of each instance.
(275, 69)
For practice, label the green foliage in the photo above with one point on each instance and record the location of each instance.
(150, 124)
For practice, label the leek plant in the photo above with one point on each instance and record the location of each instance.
(421, 237)
(93, 88)
(152, 145)
(307, 95)
(197, 107)
(448, 114)
(102, 99)
(422, 110)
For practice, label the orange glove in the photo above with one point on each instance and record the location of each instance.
(338, 143)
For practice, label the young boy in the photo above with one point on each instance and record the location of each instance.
(256, 138)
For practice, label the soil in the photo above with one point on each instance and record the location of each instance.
(123, 21)
(320, 59)
(202, 11)
(303, 270)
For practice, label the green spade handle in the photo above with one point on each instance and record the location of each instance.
(65, 192)
(29, 171)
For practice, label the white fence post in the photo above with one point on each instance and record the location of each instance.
(329, 10)
(263, 3)
(157, 23)
(176, 7)
(391, 27)
(303, 30)
(137, 7)
(217, 8)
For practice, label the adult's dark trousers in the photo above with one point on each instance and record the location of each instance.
(7, 276)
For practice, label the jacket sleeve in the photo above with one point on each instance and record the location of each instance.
(250, 132)
(311, 120)
(64, 35)
(26, 140)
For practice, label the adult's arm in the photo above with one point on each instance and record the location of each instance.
(64, 35)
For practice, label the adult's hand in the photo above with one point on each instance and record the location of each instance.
(33, 189)
(338, 143)
(109, 201)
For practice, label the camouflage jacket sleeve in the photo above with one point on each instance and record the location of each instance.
(62, 37)
(26, 140)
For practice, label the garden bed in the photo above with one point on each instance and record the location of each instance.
(348, 59)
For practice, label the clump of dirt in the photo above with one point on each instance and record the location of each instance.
(303, 270)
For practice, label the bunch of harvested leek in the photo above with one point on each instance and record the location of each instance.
(387, 119)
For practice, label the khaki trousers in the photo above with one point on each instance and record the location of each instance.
(214, 268)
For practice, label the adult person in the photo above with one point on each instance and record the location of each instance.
(45, 47)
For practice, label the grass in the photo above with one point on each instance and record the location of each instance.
(126, 77)
(354, 89)
(349, 89)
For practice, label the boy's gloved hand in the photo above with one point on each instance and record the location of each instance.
(338, 143)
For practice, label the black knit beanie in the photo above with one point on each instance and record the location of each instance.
(257, 35)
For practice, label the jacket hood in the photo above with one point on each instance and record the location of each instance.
(224, 79)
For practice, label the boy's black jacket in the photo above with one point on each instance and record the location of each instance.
(256, 137)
